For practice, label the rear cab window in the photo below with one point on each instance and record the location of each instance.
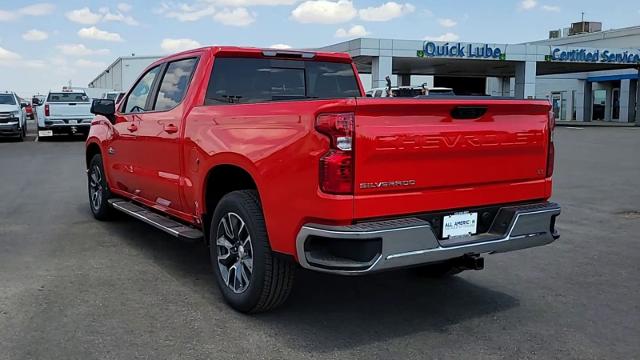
(67, 97)
(252, 80)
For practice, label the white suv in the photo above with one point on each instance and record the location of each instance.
(13, 122)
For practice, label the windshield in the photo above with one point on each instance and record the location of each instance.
(64, 97)
(7, 99)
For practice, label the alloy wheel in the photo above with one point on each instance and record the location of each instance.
(235, 252)
(95, 188)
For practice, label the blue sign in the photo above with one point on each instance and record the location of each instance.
(459, 50)
(594, 56)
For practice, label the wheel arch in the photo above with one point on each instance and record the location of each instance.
(92, 150)
(220, 180)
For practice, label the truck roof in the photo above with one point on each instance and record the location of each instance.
(230, 51)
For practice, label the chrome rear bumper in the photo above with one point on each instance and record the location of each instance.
(412, 241)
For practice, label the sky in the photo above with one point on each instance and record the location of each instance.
(45, 45)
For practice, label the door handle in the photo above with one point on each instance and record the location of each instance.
(170, 129)
(132, 127)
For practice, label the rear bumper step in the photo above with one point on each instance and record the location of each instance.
(166, 224)
(376, 246)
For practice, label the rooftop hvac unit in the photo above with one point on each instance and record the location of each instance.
(584, 27)
(555, 34)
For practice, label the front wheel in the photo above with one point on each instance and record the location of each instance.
(250, 276)
(98, 190)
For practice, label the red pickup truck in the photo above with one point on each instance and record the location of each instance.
(277, 159)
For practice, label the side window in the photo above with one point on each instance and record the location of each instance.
(174, 84)
(137, 99)
(378, 93)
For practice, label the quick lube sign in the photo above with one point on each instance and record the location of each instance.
(462, 50)
(594, 56)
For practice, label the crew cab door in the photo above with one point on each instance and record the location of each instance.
(121, 150)
(157, 153)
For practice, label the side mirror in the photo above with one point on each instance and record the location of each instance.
(35, 102)
(104, 107)
(23, 105)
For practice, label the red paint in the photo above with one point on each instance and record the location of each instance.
(432, 161)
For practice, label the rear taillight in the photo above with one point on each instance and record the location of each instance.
(46, 109)
(551, 153)
(336, 166)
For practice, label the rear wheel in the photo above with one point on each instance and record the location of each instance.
(250, 276)
(98, 190)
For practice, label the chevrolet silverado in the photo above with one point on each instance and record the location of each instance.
(275, 158)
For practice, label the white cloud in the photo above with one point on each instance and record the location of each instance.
(97, 34)
(448, 23)
(87, 17)
(35, 35)
(551, 8)
(120, 17)
(6, 55)
(84, 16)
(37, 9)
(235, 17)
(124, 7)
(80, 50)
(385, 12)
(324, 12)
(185, 12)
(444, 37)
(90, 64)
(177, 45)
(241, 3)
(354, 31)
(280, 46)
(528, 4)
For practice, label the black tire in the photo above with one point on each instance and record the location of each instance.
(23, 132)
(97, 182)
(270, 278)
(439, 270)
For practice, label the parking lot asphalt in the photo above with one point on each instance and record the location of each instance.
(75, 288)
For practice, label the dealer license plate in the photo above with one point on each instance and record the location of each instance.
(73, 122)
(45, 133)
(460, 224)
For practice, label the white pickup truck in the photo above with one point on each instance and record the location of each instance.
(66, 112)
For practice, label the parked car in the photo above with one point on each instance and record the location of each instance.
(66, 112)
(276, 158)
(13, 122)
(28, 109)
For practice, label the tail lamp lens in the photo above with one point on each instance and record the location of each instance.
(46, 109)
(336, 166)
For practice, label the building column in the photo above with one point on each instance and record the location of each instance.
(627, 100)
(637, 102)
(584, 106)
(608, 103)
(381, 67)
(404, 80)
(526, 80)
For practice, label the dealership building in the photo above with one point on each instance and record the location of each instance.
(586, 73)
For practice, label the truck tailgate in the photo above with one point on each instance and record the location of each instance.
(418, 155)
(74, 110)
